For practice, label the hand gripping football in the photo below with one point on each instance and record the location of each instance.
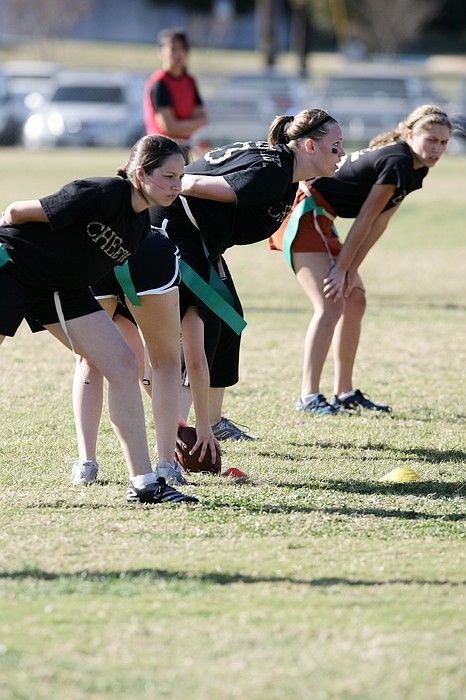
(191, 462)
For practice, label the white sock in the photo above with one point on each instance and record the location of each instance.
(346, 395)
(307, 398)
(142, 480)
(165, 463)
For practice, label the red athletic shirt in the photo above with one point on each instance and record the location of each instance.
(164, 90)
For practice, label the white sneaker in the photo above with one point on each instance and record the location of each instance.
(171, 472)
(84, 472)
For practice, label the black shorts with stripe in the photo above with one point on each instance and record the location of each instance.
(153, 269)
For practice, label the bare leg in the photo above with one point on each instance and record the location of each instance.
(346, 340)
(311, 268)
(87, 407)
(130, 333)
(199, 378)
(96, 338)
(158, 317)
(216, 396)
(88, 399)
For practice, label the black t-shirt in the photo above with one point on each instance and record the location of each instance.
(261, 177)
(393, 164)
(92, 227)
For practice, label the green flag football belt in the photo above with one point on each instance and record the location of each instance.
(123, 276)
(214, 293)
(4, 257)
(305, 205)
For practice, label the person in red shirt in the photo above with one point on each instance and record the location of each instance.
(172, 103)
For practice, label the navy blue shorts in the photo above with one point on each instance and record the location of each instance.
(19, 301)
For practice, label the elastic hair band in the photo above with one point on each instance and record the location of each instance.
(430, 114)
(313, 127)
(286, 126)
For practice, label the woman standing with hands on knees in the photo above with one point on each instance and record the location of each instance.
(368, 187)
(53, 248)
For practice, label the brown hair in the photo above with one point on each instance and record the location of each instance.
(168, 36)
(150, 152)
(308, 122)
(422, 117)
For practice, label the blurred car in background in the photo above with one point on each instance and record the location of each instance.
(242, 106)
(89, 108)
(28, 84)
(370, 102)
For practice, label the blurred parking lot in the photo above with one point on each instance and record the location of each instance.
(42, 105)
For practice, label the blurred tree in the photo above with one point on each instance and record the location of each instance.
(43, 17)
(265, 17)
(451, 19)
(301, 31)
(387, 26)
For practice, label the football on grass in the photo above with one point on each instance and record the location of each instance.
(191, 462)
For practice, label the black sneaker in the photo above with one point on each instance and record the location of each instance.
(358, 400)
(227, 430)
(317, 405)
(159, 492)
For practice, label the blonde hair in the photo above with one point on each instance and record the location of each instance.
(308, 122)
(422, 117)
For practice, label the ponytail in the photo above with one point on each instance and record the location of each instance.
(309, 122)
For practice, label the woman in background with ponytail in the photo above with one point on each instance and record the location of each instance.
(369, 187)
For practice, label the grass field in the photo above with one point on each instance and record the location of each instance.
(313, 581)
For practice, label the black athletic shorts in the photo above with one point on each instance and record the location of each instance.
(19, 301)
(221, 343)
(188, 240)
(153, 268)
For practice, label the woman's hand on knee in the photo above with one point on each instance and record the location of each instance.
(334, 283)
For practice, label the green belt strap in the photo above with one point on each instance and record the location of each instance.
(123, 276)
(4, 257)
(213, 295)
(305, 205)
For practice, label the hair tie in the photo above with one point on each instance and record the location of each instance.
(312, 127)
(288, 121)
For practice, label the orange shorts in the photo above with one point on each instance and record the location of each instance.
(308, 238)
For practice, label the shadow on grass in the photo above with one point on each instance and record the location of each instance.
(216, 578)
(434, 489)
(429, 455)
(343, 510)
(273, 508)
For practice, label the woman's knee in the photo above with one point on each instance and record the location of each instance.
(356, 302)
(329, 311)
(124, 366)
